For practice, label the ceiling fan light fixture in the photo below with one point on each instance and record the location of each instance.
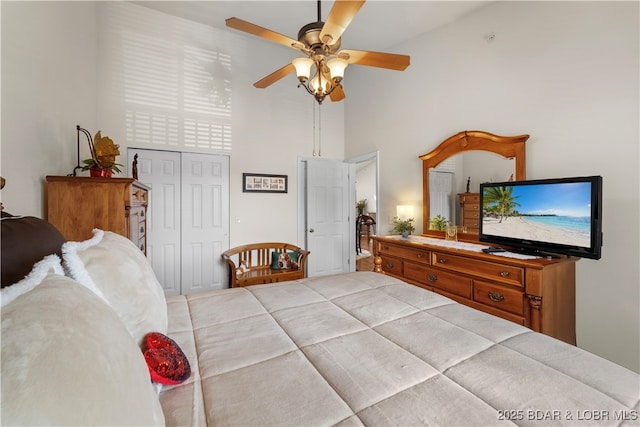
(318, 85)
(303, 68)
(336, 68)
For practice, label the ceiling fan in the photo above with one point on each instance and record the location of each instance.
(320, 42)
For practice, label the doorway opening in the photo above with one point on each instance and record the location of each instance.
(367, 201)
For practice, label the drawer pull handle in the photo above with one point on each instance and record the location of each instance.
(496, 297)
(442, 260)
(504, 273)
(389, 265)
(385, 247)
(141, 229)
(420, 255)
(142, 214)
(432, 277)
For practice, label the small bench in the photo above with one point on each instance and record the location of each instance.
(252, 264)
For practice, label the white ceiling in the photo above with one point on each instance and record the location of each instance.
(379, 24)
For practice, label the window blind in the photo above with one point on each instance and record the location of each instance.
(167, 77)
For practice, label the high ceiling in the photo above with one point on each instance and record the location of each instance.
(378, 25)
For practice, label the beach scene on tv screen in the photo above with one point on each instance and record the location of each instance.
(557, 213)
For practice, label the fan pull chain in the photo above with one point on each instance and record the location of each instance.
(319, 130)
(314, 128)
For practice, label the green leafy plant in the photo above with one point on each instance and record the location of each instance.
(361, 205)
(93, 164)
(439, 223)
(403, 226)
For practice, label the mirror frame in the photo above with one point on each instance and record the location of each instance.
(510, 147)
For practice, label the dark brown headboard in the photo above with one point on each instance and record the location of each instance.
(24, 241)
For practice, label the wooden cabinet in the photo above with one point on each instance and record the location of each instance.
(77, 205)
(470, 205)
(538, 293)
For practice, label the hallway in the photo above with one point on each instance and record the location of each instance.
(363, 262)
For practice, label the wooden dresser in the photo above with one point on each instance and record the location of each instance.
(537, 293)
(470, 204)
(77, 205)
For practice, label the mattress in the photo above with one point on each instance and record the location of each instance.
(368, 349)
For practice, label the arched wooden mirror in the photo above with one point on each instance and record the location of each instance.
(494, 147)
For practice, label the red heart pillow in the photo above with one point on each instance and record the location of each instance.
(166, 361)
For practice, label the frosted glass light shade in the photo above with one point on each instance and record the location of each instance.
(303, 67)
(404, 211)
(315, 84)
(337, 67)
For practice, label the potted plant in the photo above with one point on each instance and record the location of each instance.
(439, 223)
(403, 226)
(361, 205)
(98, 170)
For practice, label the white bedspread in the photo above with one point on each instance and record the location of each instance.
(367, 349)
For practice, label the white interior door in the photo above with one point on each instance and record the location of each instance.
(328, 230)
(205, 221)
(441, 195)
(188, 219)
(161, 171)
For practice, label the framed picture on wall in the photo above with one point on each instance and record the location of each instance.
(264, 183)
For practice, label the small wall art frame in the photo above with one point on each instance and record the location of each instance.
(264, 183)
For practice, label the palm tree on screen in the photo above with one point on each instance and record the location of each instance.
(500, 200)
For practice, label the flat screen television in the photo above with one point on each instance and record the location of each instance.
(545, 216)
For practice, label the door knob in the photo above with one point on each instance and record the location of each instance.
(311, 230)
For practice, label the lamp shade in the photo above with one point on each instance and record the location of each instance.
(336, 68)
(404, 211)
(303, 67)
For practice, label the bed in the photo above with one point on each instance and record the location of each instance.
(351, 349)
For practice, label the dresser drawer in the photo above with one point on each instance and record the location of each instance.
(407, 253)
(469, 198)
(391, 265)
(453, 283)
(471, 224)
(139, 195)
(502, 297)
(471, 212)
(493, 271)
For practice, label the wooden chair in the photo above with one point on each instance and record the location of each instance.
(364, 227)
(257, 259)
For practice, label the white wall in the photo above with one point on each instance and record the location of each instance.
(48, 87)
(56, 62)
(564, 72)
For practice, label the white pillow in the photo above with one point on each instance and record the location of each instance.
(67, 359)
(117, 271)
(49, 264)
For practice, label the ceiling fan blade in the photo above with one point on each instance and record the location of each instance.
(339, 19)
(337, 94)
(390, 61)
(275, 76)
(256, 30)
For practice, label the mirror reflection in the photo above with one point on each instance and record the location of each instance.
(452, 181)
(453, 171)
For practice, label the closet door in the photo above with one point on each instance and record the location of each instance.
(161, 171)
(188, 219)
(205, 221)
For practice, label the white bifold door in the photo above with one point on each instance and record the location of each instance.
(188, 218)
